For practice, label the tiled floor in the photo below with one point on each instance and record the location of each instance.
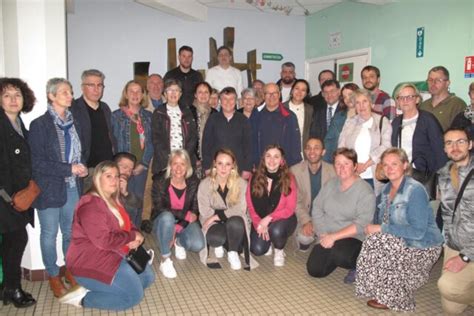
(266, 290)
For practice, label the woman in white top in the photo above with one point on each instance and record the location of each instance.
(368, 134)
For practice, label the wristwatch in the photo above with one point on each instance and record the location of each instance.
(464, 258)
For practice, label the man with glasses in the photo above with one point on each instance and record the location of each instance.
(456, 284)
(94, 118)
(444, 105)
(381, 102)
(275, 124)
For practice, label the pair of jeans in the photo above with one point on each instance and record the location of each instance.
(191, 237)
(279, 232)
(125, 291)
(51, 219)
(136, 185)
(323, 261)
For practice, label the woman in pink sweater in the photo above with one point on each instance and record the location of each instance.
(271, 200)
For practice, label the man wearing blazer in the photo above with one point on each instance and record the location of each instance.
(331, 91)
(311, 174)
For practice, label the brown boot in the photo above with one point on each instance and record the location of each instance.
(57, 286)
(70, 279)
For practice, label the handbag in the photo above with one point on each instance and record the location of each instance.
(23, 199)
(428, 179)
(138, 258)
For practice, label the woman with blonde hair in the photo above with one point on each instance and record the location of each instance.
(102, 234)
(175, 211)
(131, 126)
(222, 210)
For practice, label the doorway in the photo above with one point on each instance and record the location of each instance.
(347, 67)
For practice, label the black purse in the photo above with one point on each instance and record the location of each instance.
(139, 258)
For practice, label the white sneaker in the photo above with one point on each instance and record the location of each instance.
(234, 260)
(167, 268)
(179, 252)
(279, 258)
(219, 252)
(269, 251)
(74, 296)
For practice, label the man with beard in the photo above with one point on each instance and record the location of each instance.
(456, 185)
(310, 174)
(382, 103)
(444, 105)
(188, 77)
(287, 78)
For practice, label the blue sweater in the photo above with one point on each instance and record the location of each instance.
(278, 127)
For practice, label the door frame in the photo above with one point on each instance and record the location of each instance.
(363, 51)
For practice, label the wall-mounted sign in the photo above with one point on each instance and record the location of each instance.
(420, 42)
(272, 56)
(346, 72)
(335, 39)
(469, 67)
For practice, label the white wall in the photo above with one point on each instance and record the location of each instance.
(111, 35)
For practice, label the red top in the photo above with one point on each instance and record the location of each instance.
(97, 240)
(286, 206)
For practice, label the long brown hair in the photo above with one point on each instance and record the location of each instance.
(260, 181)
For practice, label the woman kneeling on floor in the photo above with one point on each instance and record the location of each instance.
(403, 244)
(271, 198)
(102, 234)
(175, 210)
(222, 209)
(341, 210)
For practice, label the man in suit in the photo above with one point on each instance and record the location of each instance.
(311, 174)
(323, 114)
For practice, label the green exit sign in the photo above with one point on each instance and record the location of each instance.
(272, 56)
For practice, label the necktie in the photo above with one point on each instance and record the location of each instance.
(329, 116)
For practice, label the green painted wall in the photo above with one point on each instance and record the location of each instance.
(390, 31)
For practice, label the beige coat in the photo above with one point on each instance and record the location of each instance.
(304, 201)
(209, 200)
(380, 140)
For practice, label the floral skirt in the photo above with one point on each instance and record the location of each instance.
(390, 272)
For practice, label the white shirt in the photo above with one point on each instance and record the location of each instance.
(299, 112)
(408, 129)
(219, 78)
(333, 108)
(362, 147)
(176, 135)
(285, 94)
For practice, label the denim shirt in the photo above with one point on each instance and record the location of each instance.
(121, 132)
(410, 215)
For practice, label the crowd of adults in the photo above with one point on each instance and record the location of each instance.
(349, 171)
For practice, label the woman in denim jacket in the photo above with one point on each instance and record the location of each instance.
(131, 127)
(403, 243)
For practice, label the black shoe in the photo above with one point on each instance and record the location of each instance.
(18, 297)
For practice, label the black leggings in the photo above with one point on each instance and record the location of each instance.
(229, 234)
(279, 232)
(12, 248)
(323, 261)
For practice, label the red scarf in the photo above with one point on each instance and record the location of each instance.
(135, 118)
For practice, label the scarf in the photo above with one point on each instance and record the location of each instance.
(267, 203)
(135, 118)
(469, 113)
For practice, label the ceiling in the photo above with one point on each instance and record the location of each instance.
(197, 9)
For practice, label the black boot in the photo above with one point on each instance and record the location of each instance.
(18, 297)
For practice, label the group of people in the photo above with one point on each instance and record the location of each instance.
(206, 177)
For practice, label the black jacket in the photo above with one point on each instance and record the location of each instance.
(319, 126)
(160, 132)
(15, 173)
(235, 135)
(427, 144)
(162, 202)
(188, 81)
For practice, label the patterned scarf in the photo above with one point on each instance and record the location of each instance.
(135, 118)
(469, 113)
(69, 142)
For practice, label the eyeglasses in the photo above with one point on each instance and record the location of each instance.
(272, 94)
(93, 85)
(173, 90)
(439, 80)
(406, 97)
(459, 142)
